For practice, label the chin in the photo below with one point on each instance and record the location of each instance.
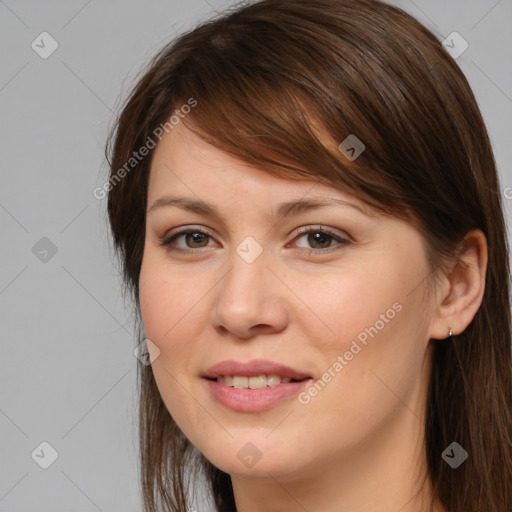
(253, 460)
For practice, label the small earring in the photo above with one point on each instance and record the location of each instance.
(450, 332)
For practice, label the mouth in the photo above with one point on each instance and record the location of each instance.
(249, 400)
(253, 386)
(255, 382)
(258, 371)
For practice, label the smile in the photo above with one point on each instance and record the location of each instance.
(257, 382)
(253, 399)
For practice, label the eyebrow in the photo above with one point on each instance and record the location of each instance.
(295, 206)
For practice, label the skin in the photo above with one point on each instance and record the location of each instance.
(358, 445)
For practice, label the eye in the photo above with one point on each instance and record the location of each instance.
(320, 238)
(194, 239)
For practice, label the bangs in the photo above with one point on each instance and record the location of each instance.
(257, 106)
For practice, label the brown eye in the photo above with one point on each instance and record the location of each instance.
(320, 239)
(194, 239)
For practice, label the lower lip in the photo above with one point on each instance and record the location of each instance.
(254, 400)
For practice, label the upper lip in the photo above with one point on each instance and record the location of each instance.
(253, 369)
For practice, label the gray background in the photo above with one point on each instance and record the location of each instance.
(67, 372)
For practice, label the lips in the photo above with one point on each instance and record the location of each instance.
(254, 368)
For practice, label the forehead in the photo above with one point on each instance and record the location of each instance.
(185, 165)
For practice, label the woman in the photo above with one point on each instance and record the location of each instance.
(307, 211)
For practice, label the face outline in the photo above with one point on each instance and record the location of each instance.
(285, 307)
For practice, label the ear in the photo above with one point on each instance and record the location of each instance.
(461, 291)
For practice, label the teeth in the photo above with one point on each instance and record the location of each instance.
(258, 382)
(240, 382)
(274, 380)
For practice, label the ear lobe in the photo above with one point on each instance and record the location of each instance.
(463, 288)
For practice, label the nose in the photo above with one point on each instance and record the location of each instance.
(250, 299)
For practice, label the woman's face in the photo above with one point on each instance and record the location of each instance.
(344, 304)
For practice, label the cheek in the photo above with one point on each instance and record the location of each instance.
(165, 316)
(156, 304)
(364, 386)
(351, 307)
(165, 320)
(165, 300)
(374, 349)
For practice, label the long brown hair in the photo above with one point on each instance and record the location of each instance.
(280, 84)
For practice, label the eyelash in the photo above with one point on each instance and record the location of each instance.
(166, 242)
